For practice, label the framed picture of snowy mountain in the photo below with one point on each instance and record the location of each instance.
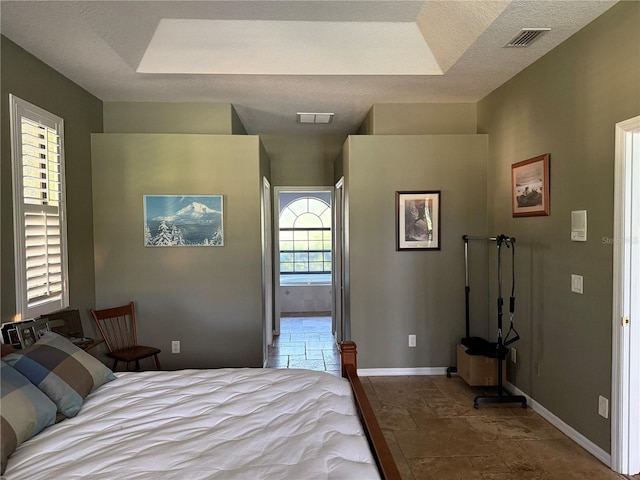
(183, 221)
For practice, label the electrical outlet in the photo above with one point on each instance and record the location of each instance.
(513, 355)
(603, 407)
(412, 340)
(175, 346)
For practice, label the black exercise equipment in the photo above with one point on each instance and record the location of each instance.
(481, 346)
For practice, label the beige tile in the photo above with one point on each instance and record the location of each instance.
(490, 463)
(514, 456)
(446, 437)
(401, 398)
(563, 456)
(543, 429)
(452, 440)
(595, 475)
(422, 416)
(394, 418)
(501, 428)
(403, 382)
(442, 468)
(398, 456)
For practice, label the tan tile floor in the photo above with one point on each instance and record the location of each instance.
(435, 433)
(432, 428)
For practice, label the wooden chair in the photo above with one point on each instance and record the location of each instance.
(118, 328)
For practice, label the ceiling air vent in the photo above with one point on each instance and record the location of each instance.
(314, 117)
(526, 37)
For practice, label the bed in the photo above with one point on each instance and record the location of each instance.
(199, 424)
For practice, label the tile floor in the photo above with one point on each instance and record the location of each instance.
(434, 432)
(432, 428)
(305, 342)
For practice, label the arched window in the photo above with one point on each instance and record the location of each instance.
(305, 237)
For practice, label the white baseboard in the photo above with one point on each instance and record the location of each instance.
(569, 431)
(398, 372)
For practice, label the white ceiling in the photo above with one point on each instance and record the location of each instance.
(272, 59)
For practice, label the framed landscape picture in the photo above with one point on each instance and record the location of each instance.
(418, 220)
(530, 187)
(183, 221)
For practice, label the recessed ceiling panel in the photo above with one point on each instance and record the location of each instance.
(287, 48)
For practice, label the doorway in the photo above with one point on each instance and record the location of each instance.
(304, 249)
(625, 413)
(303, 274)
(303, 252)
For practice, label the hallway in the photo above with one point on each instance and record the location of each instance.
(305, 342)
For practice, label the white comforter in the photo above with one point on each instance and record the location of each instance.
(205, 424)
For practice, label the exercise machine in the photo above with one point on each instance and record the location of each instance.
(481, 346)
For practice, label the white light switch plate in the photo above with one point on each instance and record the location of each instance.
(577, 284)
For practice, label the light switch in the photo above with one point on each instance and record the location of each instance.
(576, 283)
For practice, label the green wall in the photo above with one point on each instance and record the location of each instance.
(302, 160)
(28, 78)
(209, 298)
(169, 117)
(419, 119)
(394, 294)
(566, 104)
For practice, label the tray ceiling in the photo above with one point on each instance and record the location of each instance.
(272, 59)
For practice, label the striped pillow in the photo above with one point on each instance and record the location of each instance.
(64, 372)
(24, 409)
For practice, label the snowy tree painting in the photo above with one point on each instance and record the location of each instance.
(183, 220)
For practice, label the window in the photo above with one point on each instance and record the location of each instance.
(39, 209)
(305, 241)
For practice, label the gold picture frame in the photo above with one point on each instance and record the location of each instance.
(530, 187)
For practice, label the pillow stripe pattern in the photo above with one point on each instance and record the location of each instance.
(64, 372)
(24, 409)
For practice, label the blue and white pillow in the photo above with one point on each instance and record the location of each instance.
(64, 372)
(24, 410)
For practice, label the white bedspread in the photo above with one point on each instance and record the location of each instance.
(206, 424)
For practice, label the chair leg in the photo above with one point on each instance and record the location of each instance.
(115, 364)
(137, 365)
(157, 362)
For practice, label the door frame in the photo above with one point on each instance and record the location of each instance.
(337, 262)
(267, 269)
(625, 394)
(276, 242)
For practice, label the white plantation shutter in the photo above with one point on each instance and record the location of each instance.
(39, 209)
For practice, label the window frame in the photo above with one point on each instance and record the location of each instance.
(294, 251)
(25, 307)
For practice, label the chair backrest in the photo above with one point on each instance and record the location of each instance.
(117, 326)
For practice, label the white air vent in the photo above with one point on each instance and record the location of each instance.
(315, 117)
(526, 37)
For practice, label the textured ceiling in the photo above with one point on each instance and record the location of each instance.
(101, 45)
